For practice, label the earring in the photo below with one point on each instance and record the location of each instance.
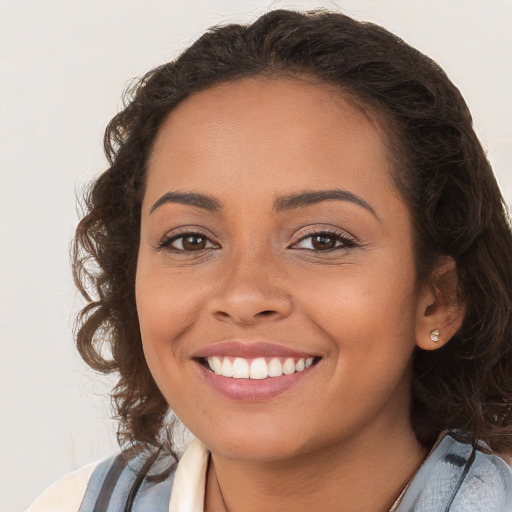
(434, 335)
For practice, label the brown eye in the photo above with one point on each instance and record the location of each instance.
(187, 242)
(193, 243)
(323, 242)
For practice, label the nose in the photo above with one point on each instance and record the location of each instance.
(251, 291)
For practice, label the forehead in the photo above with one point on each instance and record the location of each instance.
(259, 132)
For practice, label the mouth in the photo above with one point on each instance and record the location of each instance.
(253, 371)
(258, 368)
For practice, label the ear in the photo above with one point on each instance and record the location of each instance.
(439, 314)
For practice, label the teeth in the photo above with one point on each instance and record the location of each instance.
(258, 368)
(215, 365)
(275, 368)
(226, 368)
(289, 366)
(240, 368)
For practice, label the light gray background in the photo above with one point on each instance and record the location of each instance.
(64, 67)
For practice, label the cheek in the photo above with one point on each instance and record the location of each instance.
(351, 299)
(167, 298)
(161, 314)
(370, 317)
(164, 312)
(371, 327)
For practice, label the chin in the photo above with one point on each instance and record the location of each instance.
(260, 450)
(258, 444)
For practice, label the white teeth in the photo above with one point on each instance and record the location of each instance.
(275, 368)
(257, 369)
(240, 368)
(215, 364)
(289, 366)
(227, 368)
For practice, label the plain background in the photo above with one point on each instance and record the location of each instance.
(64, 67)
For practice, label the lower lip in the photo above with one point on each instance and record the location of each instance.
(252, 390)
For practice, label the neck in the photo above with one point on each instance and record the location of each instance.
(363, 474)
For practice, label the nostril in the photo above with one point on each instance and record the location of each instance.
(267, 312)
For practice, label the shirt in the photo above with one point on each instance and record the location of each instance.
(454, 477)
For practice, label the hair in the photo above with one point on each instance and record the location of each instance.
(439, 168)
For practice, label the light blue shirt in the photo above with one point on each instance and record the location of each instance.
(454, 477)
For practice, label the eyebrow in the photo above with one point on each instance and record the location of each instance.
(203, 201)
(310, 198)
(281, 204)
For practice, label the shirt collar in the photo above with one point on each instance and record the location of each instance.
(189, 484)
(188, 490)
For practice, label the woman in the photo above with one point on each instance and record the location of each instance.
(300, 249)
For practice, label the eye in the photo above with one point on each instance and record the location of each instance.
(325, 241)
(187, 242)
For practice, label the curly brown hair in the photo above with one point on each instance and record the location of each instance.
(439, 168)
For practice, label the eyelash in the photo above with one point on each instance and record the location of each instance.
(346, 241)
(166, 243)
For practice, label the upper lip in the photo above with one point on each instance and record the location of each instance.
(249, 350)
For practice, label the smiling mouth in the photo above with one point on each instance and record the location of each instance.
(258, 368)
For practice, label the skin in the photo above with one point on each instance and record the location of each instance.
(340, 439)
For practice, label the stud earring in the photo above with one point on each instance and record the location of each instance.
(434, 335)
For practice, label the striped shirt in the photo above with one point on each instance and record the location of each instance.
(455, 477)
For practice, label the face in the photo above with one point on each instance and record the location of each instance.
(275, 284)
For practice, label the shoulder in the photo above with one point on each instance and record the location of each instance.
(459, 478)
(145, 481)
(65, 495)
(488, 481)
